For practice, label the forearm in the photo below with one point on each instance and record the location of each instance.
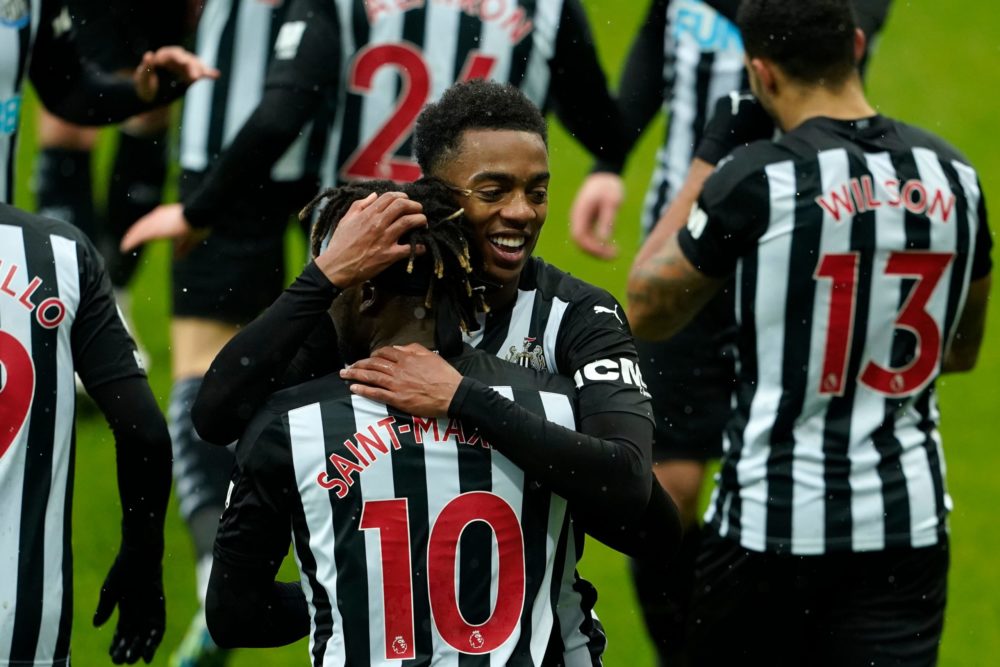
(607, 474)
(143, 457)
(255, 362)
(655, 534)
(588, 111)
(246, 164)
(963, 350)
(245, 607)
(676, 215)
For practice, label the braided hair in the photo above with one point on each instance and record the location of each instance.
(443, 274)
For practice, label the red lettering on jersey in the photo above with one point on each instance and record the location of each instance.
(345, 467)
(518, 24)
(939, 202)
(473, 439)
(859, 200)
(868, 189)
(5, 287)
(354, 450)
(374, 441)
(843, 198)
(42, 314)
(918, 205)
(892, 185)
(422, 426)
(25, 298)
(327, 483)
(455, 429)
(388, 424)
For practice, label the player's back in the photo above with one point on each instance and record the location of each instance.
(415, 539)
(862, 239)
(401, 56)
(40, 292)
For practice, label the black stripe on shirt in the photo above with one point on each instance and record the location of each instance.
(521, 54)
(800, 295)
(220, 90)
(37, 488)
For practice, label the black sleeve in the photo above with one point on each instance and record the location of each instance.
(103, 350)
(642, 86)
(259, 359)
(730, 216)
(982, 264)
(143, 456)
(77, 90)
(738, 119)
(579, 90)
(604, 476)
(654, 534)
(595, 348)
(244, 604)
(305, 67)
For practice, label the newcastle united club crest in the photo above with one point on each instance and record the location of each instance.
(531, 356)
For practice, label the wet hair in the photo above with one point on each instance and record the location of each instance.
(811, 40)
(442, 274)
(472, 105)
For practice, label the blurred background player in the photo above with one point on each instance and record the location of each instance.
(225, 280)
(57, 316)
(39, 41)
(112, 35)
(688, 60)
(861, 253)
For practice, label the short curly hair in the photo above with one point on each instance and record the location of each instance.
(443, 273)
(812, 40)
(472, 105)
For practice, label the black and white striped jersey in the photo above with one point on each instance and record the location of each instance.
(236, 37)
(397, 57)
(415, 539)
(703, 61)
(852, 245)
(57, 315)
(564, 325)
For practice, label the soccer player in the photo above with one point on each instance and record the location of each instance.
(112, 36)
(389, 507)
(57, 316)
(686, 59)
(860, 251)
(38, 40)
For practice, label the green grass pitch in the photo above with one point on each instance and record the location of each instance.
(936, 66)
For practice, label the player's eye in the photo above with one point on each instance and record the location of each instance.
(490, 195)
(539, 195)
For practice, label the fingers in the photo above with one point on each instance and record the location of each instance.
(372, 393)
(400, 226)
(361, 204)
(370, 376)
(605, 228)
(152, 643)
(393, 353)
(105, 605)
(119, 648)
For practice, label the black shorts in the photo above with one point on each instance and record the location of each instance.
(691, 378)
(239, 269)
(870, 609)
(115, 33)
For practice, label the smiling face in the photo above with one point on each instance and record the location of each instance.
(503, 178)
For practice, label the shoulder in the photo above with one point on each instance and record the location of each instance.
(915, 137)
(554, 283)
(745, 168)
(493, 371)
(270, 423)
(37, 228)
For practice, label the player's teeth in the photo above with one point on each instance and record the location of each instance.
(508, 241)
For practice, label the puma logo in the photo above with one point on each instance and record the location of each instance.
(601, 309)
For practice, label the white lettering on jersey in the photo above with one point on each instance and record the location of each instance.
(601, 309)
(286, 44)
(608, 370)
(697, 221)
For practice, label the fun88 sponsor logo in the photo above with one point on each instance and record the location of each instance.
(10, 113)
(695, 20)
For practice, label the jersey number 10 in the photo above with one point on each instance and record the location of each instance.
(375, 159)
(842, 270)
(391, 519)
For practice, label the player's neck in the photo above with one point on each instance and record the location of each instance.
(800, 103)
(414, 330)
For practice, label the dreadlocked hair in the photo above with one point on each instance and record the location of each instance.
(453, 259)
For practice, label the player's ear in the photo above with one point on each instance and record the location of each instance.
(369, 296)
(763, 71)
(860, 42)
